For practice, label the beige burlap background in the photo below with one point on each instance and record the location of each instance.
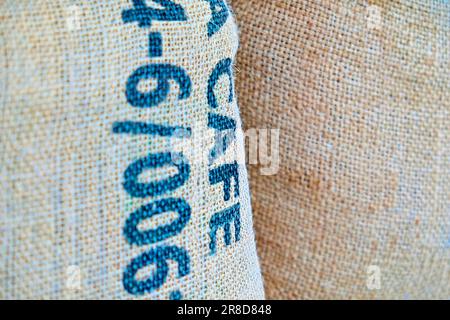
(63, 206)
(361, 93)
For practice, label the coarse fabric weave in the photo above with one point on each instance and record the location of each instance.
(360, 90)
(121, 164)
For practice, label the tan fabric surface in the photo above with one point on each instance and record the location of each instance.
(361, 93)
(64, 204)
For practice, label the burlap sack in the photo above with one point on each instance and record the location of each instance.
(361, 94)
(112, 184)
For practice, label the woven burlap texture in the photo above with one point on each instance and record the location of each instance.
(64, 69)
(361, 94)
